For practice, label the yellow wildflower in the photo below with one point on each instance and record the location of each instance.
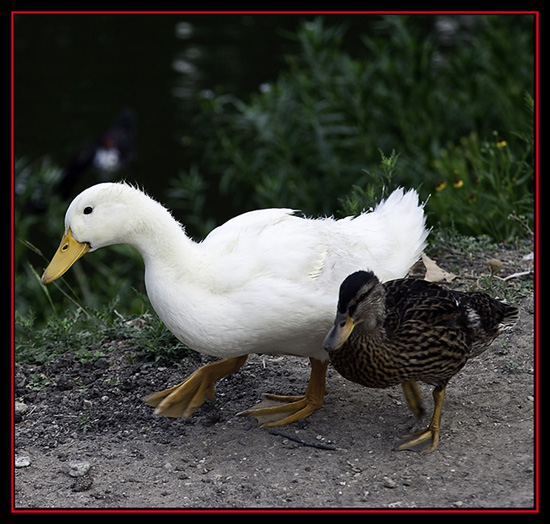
(440, 185)
(458, 183)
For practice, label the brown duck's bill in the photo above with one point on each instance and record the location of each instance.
(69, 251)
(340, 332)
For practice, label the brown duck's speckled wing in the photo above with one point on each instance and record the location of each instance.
(422, 302)
(479, 316)
(432, 354)
(426, 336)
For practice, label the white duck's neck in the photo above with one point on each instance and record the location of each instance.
(159, 238)
(177, 276)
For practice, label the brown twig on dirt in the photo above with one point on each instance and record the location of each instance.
(309, 443)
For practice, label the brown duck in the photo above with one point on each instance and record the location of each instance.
(406, 330)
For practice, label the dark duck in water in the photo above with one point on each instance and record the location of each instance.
(405, 330)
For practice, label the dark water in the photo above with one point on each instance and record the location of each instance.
(73, 74)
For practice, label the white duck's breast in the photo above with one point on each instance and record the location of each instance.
(266, 316)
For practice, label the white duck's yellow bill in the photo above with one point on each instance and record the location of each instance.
(69, 251)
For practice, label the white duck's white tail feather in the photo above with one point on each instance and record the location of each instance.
(402, 234)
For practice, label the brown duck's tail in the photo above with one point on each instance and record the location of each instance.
(487, 319)
(510, 318)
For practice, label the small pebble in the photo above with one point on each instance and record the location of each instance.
(22, 462)
(82, 483)
(79, 468)
(389, 483)
(21, 408)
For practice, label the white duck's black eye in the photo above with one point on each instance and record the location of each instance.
(88, 210)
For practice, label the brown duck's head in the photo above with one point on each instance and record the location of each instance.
(360, 301)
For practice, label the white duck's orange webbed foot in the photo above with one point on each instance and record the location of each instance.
(294, 408)
(183, 399)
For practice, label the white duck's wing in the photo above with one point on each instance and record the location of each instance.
(313, 253)
(268, 243)
(224, 239)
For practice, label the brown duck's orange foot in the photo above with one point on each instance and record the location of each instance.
(271, 412)
(431, 433)
(420, 437)
(183, 399)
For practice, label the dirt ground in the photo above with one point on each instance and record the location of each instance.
(86, 439)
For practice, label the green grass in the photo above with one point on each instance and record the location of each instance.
(91, 334)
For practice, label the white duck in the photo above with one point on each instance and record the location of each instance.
(264, 282)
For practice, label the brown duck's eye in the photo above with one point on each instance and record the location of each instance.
(88, 210)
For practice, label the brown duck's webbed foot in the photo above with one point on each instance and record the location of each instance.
(294, 408)
(431, 433)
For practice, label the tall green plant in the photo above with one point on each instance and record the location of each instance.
(485, 188)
